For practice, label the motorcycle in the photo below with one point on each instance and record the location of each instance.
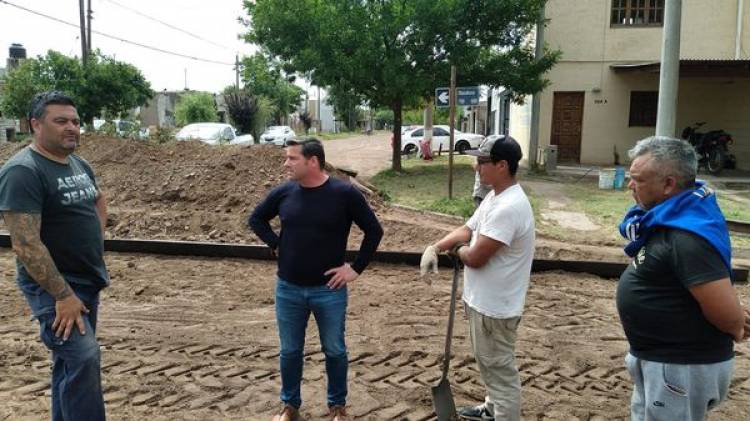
(712, 148)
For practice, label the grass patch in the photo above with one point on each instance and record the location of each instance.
(734, 209)
(605, 207)
(424, 185)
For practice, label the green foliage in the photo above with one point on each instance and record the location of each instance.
(439, 116)
(108, 129)
(104, 87)
(163, 134)
(196, 107)
(394, 52)
(266, 111)
(244, 110)
(263, 77)
(383, 116)
(347, 105)
(416, 116)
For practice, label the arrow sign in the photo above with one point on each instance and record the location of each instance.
(468, 95)
(443, 98)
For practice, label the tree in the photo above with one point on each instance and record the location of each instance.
(395, 52)
(195, 107)
(307, 120)
(247, 111)
(264, 77)
(103, 87)
(346, 104)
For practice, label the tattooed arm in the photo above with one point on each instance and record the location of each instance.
(101, 210)
(24, 231)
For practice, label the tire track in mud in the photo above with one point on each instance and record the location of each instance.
(192, 376)
(155, 364)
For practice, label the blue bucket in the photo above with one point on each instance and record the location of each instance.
(619, 178)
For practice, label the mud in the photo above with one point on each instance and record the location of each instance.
(195, 339)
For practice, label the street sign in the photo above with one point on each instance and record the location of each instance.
(467, 95)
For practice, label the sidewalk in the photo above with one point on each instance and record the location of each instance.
(726, 177)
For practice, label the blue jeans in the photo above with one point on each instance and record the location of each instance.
(76, 373)
(294, 304)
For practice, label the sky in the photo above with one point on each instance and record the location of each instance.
(214, 22)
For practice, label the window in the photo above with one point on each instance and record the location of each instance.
(643, 105)
(418, 133)
(437, 131)
(637, 12)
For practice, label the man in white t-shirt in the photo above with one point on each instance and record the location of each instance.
(497, 248)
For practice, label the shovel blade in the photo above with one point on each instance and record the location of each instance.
(442, 401)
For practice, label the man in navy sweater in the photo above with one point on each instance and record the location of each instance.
(316, 213)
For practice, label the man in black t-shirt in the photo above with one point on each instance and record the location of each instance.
(56, 216)
(676, 301)
(316, 213)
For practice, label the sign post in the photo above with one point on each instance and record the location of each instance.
(467, 95)
(452, 98)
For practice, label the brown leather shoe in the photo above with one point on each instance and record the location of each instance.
(338, 413)
(287, 413)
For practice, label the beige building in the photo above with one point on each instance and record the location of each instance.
(603, 92)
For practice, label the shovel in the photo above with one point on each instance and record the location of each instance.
(442, 397)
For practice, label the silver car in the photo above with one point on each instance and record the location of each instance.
(277, 135)
(213, 134)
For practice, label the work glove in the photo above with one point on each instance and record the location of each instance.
(429, 260)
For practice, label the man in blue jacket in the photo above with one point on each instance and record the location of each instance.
(316, 213)
(676, 301)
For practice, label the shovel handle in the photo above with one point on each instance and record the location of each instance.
(451, 317)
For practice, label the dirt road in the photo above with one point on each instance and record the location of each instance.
(368, 155)
(195, 339)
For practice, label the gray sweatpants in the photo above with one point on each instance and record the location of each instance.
(668, 392)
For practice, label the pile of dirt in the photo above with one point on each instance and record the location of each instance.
(196, 192)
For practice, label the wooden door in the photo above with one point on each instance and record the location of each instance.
(567, 125)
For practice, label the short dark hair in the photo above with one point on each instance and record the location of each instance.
(38, 106)
(311, 147)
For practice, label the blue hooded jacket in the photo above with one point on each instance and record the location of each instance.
(695, 211)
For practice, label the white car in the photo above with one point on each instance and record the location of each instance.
(277, 135)
(410, 141)
(122, 128)
(213, 134)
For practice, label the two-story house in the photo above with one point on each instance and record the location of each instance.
(603, 93)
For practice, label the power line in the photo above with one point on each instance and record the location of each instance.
(118, 38)
(168, 25)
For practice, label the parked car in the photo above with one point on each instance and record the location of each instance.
(122, 128)
(440, 140)
(277, 135)
(213, 134)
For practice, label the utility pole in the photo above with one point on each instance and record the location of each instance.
(669, 74)
(84, 53)
(536, 98)
(320, 120)
(237, 71)
(453, 123)
(88, 29)
(186, 88)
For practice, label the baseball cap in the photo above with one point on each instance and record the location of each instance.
(498, 148)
